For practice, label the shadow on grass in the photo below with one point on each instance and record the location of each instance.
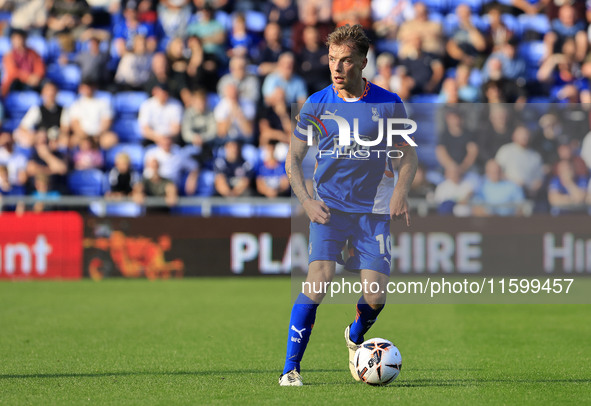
(404, 383)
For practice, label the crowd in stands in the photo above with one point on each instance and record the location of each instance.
(171, 98)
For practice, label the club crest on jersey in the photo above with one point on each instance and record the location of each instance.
(374, 114)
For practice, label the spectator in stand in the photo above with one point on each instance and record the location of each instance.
(549, 138)
(503, 90)
(23, 68)
(456, 147)
(14, 162)
(160, 116)
(122, 178)
(178, 63)
(173, 17)
(421, 188)
(125, 30)
(29, 16)
(88, 155)
(504, 63)
(322, 9)
(521, 164)
(48, 160)
(453, 193)
(282, 12)
(498, 33)
(173, 165)
(49, 117)
(313, 61)
(566, 152)
(135, 66)
(241, 43)
(271, 48)
(586, 150)
(175, 82)
(389, 15)
(497, 196)
(385, 72)
(232, 172)
(154, 185)
(43, 191)
(271, 179)
(5, 185)
(352, 12)
(199, 126)
(68, 19)
(274, 120)
(467, 43)
(564, 74)
(425, 70)
(284, 77)
(430, 32)
(202, 71)
(495, 132)
(567, 190)
(234, 116)
(309, 17)
(466, 92)
(210, 31)
(568, 26)
(91, 117)
(93, 64)
(247, 83)
(449, 92)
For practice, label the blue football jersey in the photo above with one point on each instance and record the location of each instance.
(352, 178)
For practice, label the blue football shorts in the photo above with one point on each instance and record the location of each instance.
(367, 237)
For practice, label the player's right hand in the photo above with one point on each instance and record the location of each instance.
(317, 211)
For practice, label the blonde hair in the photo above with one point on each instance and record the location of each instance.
(353, 36)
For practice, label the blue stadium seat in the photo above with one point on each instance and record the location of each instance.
(101, 94)
(273, 210)
(127, 104)
(187, 210)
(128, 130)
(17, 103)
(532, 52)
(116, 209)
(65, 98)
(213, 99)
(475, 5)
(66, 77)
(86, 183)
(424, 98)
(538, 23)
(475, 77)
(39, 45)
(233, 210)
(250, 153)
(4, 45)
(426, 154)
(205, 187)
(10, 124)
(135, 152)
(255, 21)
(512, 23)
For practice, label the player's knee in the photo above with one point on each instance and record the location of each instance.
(375, 299)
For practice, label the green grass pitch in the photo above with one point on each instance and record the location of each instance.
(222, 341)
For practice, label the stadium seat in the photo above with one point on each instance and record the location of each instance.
(512, 24)
(250, 153)
(4, 45)
(425, 98)
(538, 23)
(475, 77)
(273, 210)
(135, 152)
(101, 94)
(127, 129)
(532, 52)
(39, 45)
(10, 124)
(17, 103)
(66, 77)
(116, 209)
(426, 154)
(233, 210)
(475, 5)
(65, 98)
(127, 104)
(213, 99)
(255, 21)
(205, 186)
(192, 210)
(86, 183)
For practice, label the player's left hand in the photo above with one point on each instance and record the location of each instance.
(399, 209)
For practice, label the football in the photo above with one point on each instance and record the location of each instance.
(378, 361)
